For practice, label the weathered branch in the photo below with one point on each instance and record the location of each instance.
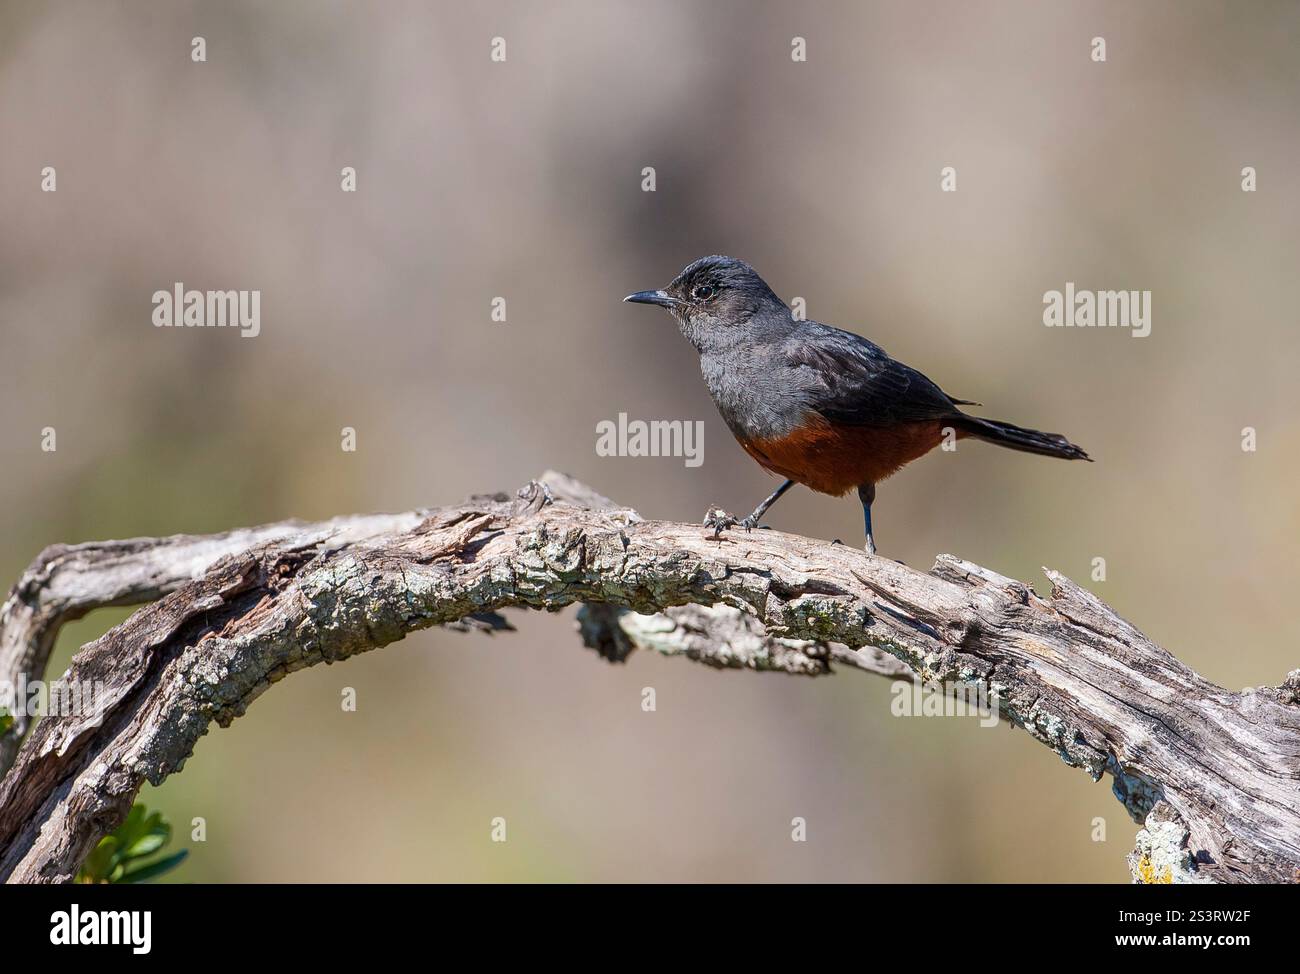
(68, 581)
(1214, 773)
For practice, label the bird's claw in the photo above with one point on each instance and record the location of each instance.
(720, 520)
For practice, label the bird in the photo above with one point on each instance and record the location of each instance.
(812, 403)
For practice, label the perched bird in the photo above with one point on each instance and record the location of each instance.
(816, 405)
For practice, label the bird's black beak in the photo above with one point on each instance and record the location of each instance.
(661, 298)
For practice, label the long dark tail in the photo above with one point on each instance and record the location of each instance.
(1019, 438)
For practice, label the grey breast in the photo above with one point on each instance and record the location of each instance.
(752, 390)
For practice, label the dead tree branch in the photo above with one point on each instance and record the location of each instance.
(1214, 774)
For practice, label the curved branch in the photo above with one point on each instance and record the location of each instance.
(1213, 772)
(65, 582)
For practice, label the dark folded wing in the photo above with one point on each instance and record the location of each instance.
(851, 381)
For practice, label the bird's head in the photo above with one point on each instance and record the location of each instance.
(716, 300)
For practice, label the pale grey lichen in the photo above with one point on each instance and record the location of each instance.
(1160, 855)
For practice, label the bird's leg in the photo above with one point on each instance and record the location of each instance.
(720, 520)
(867, 494)
(751, 522)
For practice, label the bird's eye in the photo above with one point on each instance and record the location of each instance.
(704, 292)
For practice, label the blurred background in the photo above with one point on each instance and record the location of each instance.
(522, 179)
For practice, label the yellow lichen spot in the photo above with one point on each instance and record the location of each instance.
(1146, 871)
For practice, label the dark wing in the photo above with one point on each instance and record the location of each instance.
(851, 381)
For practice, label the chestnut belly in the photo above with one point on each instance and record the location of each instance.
(834, 459)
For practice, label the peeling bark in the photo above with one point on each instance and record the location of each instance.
(1214, 774)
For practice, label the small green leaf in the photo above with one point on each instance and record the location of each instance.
(155, 868)
(100, 861)
(132, 827)
(145, 845)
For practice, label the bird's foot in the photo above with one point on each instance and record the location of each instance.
(720, 520)
(870, 546)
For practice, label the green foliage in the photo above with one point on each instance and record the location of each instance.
(125, 855)
(6, 721)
